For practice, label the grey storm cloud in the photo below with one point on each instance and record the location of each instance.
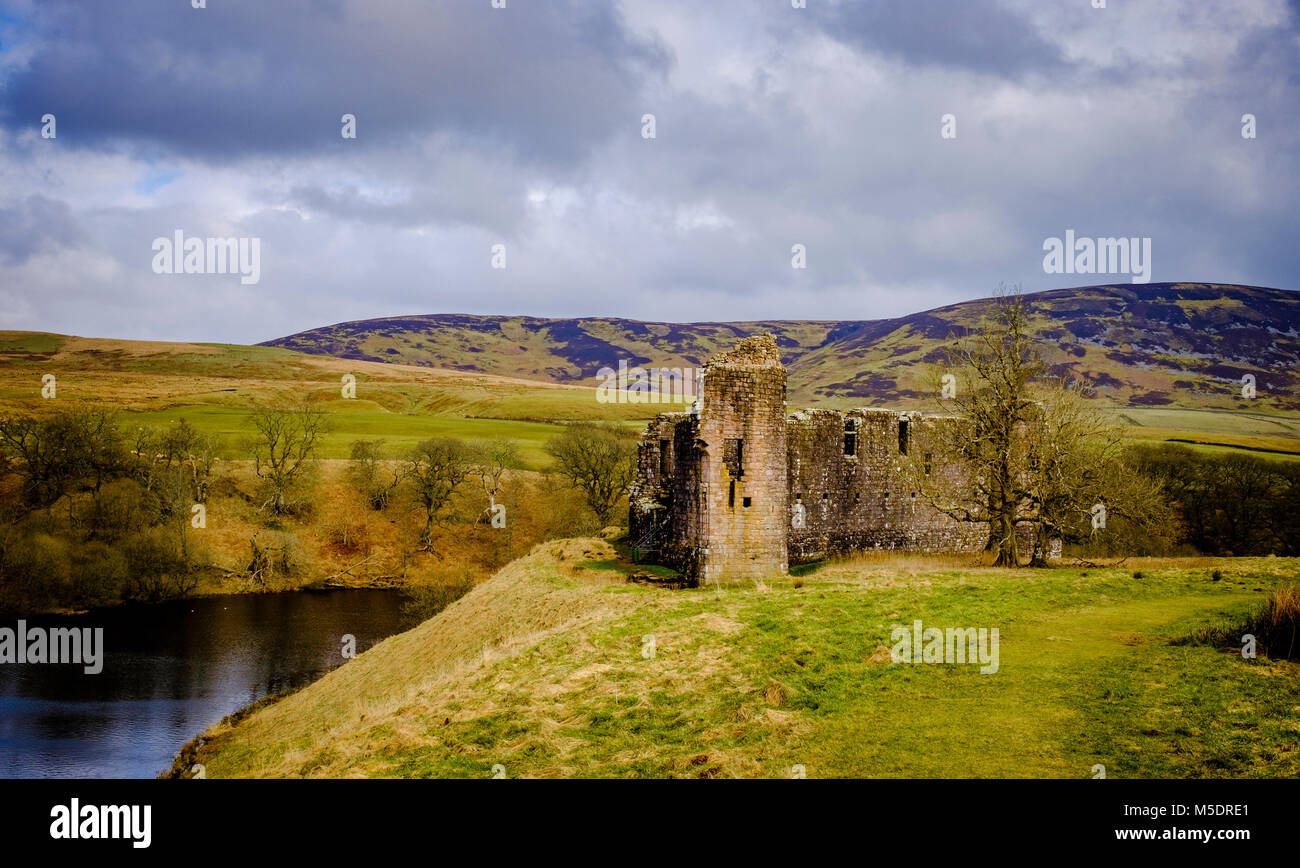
(978, 35)
(243, 77)
(522, 126)
(36, 224)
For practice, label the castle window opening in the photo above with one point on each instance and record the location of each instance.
(850, 439)
(746, 501)
(928, 464)
(731, 493)
(902, 436)
(663, 457)
(733, 457)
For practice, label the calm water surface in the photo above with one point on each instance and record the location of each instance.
(170, 671)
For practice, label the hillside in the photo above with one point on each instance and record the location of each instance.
(553, 350)
(1160, 345)
(546, 670)
(214, 386)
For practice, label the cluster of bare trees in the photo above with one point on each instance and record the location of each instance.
(597, 460)
(1238, 504)
(91, 514)
(430, 474)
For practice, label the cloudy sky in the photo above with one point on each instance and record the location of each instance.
(523, 126)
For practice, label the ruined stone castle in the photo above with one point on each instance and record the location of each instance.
(737, 488)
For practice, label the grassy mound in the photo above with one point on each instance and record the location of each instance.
(560, 667)
(315, 729)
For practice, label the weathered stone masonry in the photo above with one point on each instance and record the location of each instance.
(737, 489)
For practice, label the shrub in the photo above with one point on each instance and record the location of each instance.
(99, 574)
(153, 563)
(425, 601)
(274, 560)
(35, 573)
(1275, 626)
(121, 507)
(347, 527)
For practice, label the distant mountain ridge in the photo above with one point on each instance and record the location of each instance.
(1153, 345)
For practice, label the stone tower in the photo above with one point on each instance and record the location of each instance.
(741, 444)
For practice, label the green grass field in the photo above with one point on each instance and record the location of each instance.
(550, 677)
(1220, 432)
(214, 387)
(1212, 421)
(399, 430)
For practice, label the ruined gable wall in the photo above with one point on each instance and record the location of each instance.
(663, 503)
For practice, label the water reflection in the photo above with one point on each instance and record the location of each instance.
(170, 671)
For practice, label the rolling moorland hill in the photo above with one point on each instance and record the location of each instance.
(1162, 345)
(1165, 359)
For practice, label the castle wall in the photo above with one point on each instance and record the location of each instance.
(718, 491)
(867, 499)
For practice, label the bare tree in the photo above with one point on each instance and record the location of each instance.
(991, 370)
(284, 449)
(598, 459)
(372, 476)
(194, 452)
(181, 448)
(1026, 452)
(491, 461)
(436, 469)
(173, 498)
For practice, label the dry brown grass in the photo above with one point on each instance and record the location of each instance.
(324, 727)
(1279, 622)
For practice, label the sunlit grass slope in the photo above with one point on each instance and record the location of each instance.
(215, 385)
(546, 670)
